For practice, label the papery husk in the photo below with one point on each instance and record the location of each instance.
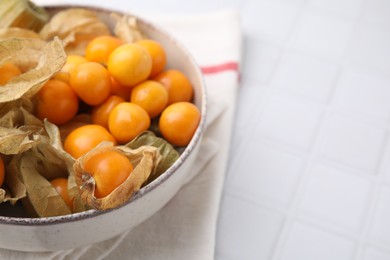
(144, 160)
(15, 32)
(51, 163)
(11, 117)
(2, 195)
(17, 188)
(29, 174)
(42, 199)
(67, 161)
(39, 59)
(168, 153)
(22, 52)
(18, 140)
(19, 129)
(30, 119)
(34, 165)
(23, 14)
(76, 27)
(18, 112)
(126, 28)
(5, 196)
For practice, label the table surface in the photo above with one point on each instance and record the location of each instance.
(309, 169)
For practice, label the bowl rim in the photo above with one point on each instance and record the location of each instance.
(24, 221)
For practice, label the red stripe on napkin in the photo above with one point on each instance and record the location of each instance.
(220, 68)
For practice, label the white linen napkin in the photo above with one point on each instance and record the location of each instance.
(185, 228)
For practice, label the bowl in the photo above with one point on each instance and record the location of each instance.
(81, 229)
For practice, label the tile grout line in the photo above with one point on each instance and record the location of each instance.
(288, 221)
(359, 237)
(268, 92)
(372, 204)
(300, 189)
(311, 158)
(362, 237)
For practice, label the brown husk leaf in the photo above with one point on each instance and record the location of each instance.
(42, 198)
(2, 195)
(18, 140)
(18, 112)
(126, 28)
(68, 160)
(39, 60)
(17, 188)
(168, 154)
(23, 14)
(29, 174)
(76, 27)
(19, 129)
(15, 32)
(144, 160)
(5, 196)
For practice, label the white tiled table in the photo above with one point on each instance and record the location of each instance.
(309, 174)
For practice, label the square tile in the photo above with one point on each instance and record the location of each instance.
(365, 93)
(290, 120)
(236, 144)
(248, 231)
(274, 174)
(344, 8)
(385, 167)
(250, 101)
(336, 197)
(309, 76)
(323, 35)
(306, 242)
(376, 12)
(372, 253)
(369, 46)
(380, 226)
(260, 60)
(269, 20)
(353, 143)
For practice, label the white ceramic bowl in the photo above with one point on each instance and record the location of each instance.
(80, 229)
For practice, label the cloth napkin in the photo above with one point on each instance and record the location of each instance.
(185, 228)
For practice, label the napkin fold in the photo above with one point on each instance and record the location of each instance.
(185, 228)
